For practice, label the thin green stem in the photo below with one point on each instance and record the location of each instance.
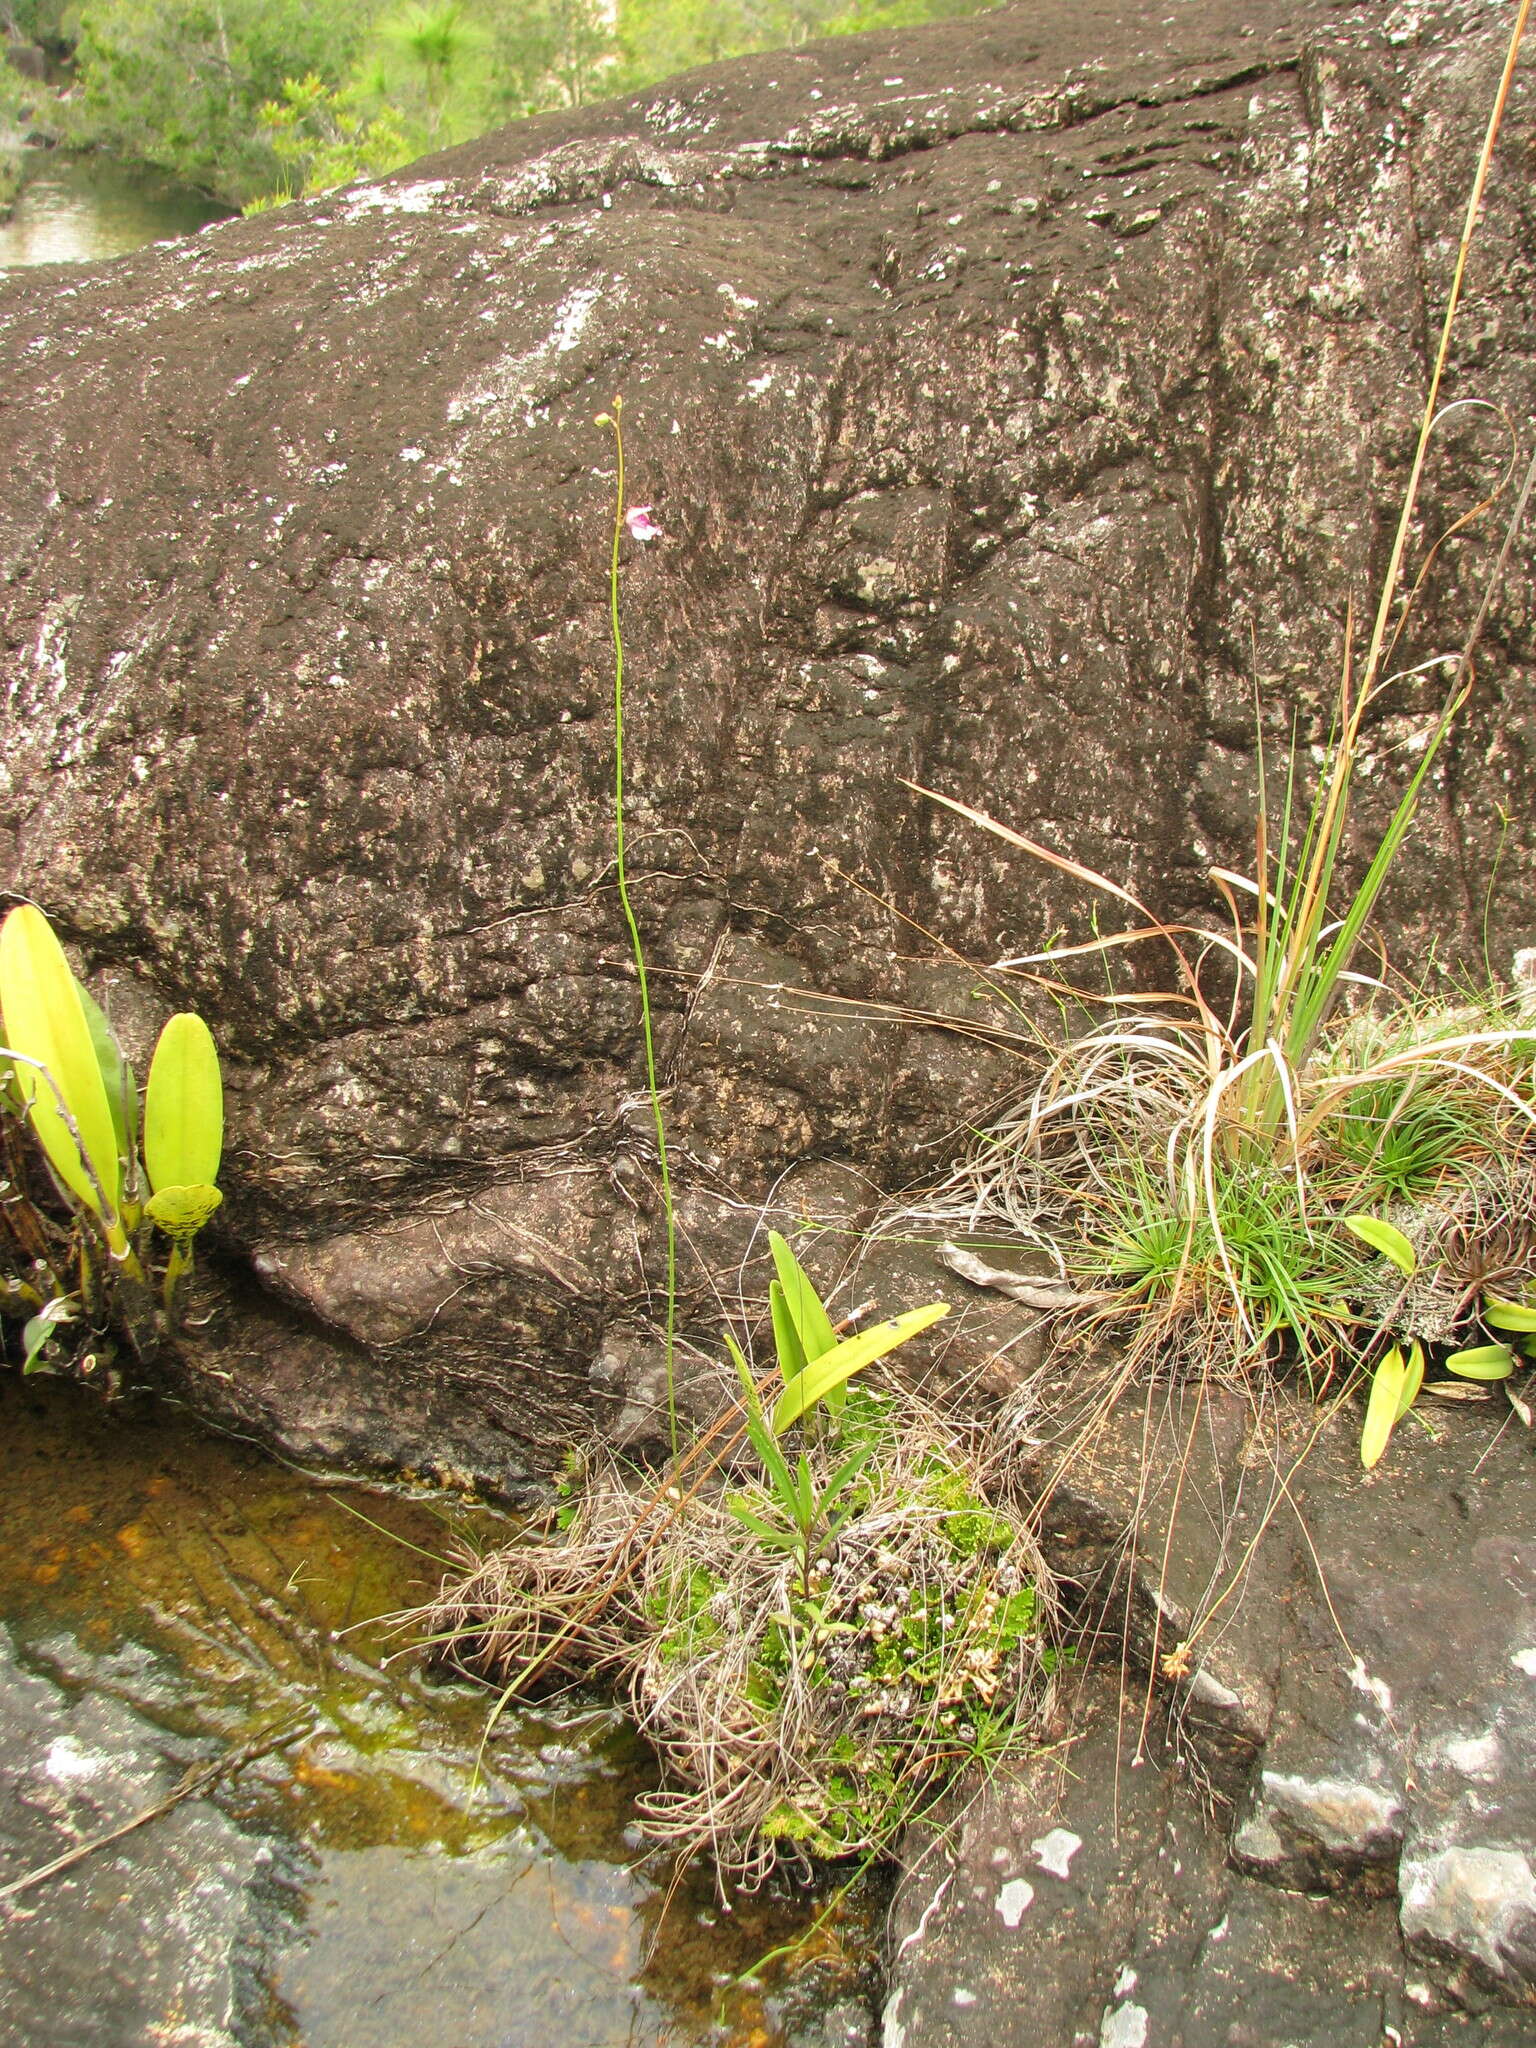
(653, 1087)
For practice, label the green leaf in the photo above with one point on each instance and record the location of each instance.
(1482, 1362)
(803, 1305)
(786, 1337)
(810, 1318)
(1508, 1315)
(1413, 1379)
(184, 1107)
(38, 1329)
(182, 1212)
(758, 1430)
(847, 1472)
(45, 1022)
(116, 1074)
(1383, 1407)
(836, 1367)
(781, 1539)
(1386, 1239)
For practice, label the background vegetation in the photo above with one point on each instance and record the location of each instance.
(256, 100)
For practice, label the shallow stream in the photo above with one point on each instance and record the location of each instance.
(76, 209)
(209, 1598)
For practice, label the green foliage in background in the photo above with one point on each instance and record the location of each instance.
(181, 83)
(255, 101)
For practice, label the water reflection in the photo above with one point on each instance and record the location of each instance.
(77, 209)
(493, 1902)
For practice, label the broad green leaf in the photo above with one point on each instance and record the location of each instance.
(1413, 1379)
(116, 1074)
(45, 1022)
(1482, 1362)
(38, 1329)
(786, 1337)
(184, 1107)
(1386, 1239)
(1383, 1407)
(810, 1318)
(1509, 1315)
(182, 1212)
(836, 1367)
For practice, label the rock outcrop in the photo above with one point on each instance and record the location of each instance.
(1010, 394)
(1315, 1822)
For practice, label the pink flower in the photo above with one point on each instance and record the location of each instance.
(640, 523)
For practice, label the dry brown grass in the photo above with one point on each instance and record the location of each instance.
(785, 1725)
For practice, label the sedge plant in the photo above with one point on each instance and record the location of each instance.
(814, 1368)
(1194, 1155)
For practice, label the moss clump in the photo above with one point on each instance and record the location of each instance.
(792, 1716)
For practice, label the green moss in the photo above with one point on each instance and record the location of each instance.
(680, 1610)
(971, 1526)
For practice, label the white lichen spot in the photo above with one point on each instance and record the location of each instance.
(1475, 1756)
(1015, 1900)
(67, 1763)
(415, 198)
(571, 317)
(1125, 2027)
(932, 1906)
(412, 454)
(756, 386)
(512, 384)
(1056, 1850)
(1373, 1688)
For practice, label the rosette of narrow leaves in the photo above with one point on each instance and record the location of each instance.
(814, 1367)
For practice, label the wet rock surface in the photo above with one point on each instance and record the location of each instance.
(1009, 393)
(1314, 1822)
(158, 1936)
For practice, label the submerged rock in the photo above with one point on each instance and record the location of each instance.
(163, 1935)
(1007, 393)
